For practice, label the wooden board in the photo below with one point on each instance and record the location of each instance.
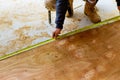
(89, 55)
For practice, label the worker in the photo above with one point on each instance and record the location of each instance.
(63, 5)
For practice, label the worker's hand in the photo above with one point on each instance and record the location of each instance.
(56, 33)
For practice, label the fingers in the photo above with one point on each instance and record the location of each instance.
(55, 35)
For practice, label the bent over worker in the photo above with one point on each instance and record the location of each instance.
(62, 6)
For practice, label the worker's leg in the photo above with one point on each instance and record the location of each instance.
(50, 4)
(118, 4)
(90, 11)
(70, 9)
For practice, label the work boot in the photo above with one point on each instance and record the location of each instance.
(90, 11)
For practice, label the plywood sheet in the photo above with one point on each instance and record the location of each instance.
(89, 55)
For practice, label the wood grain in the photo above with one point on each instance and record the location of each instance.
(89, 55)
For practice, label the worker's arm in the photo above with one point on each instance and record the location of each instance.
(61, 8)
(118, 4)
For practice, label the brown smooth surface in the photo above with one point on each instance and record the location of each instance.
(89, 55)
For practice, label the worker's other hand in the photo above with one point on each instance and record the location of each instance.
(56, 33)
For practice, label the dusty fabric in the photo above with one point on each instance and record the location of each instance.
(50, 4)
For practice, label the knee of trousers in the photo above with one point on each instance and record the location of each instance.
(50, 4)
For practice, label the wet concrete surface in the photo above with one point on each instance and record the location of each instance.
(25, 22)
